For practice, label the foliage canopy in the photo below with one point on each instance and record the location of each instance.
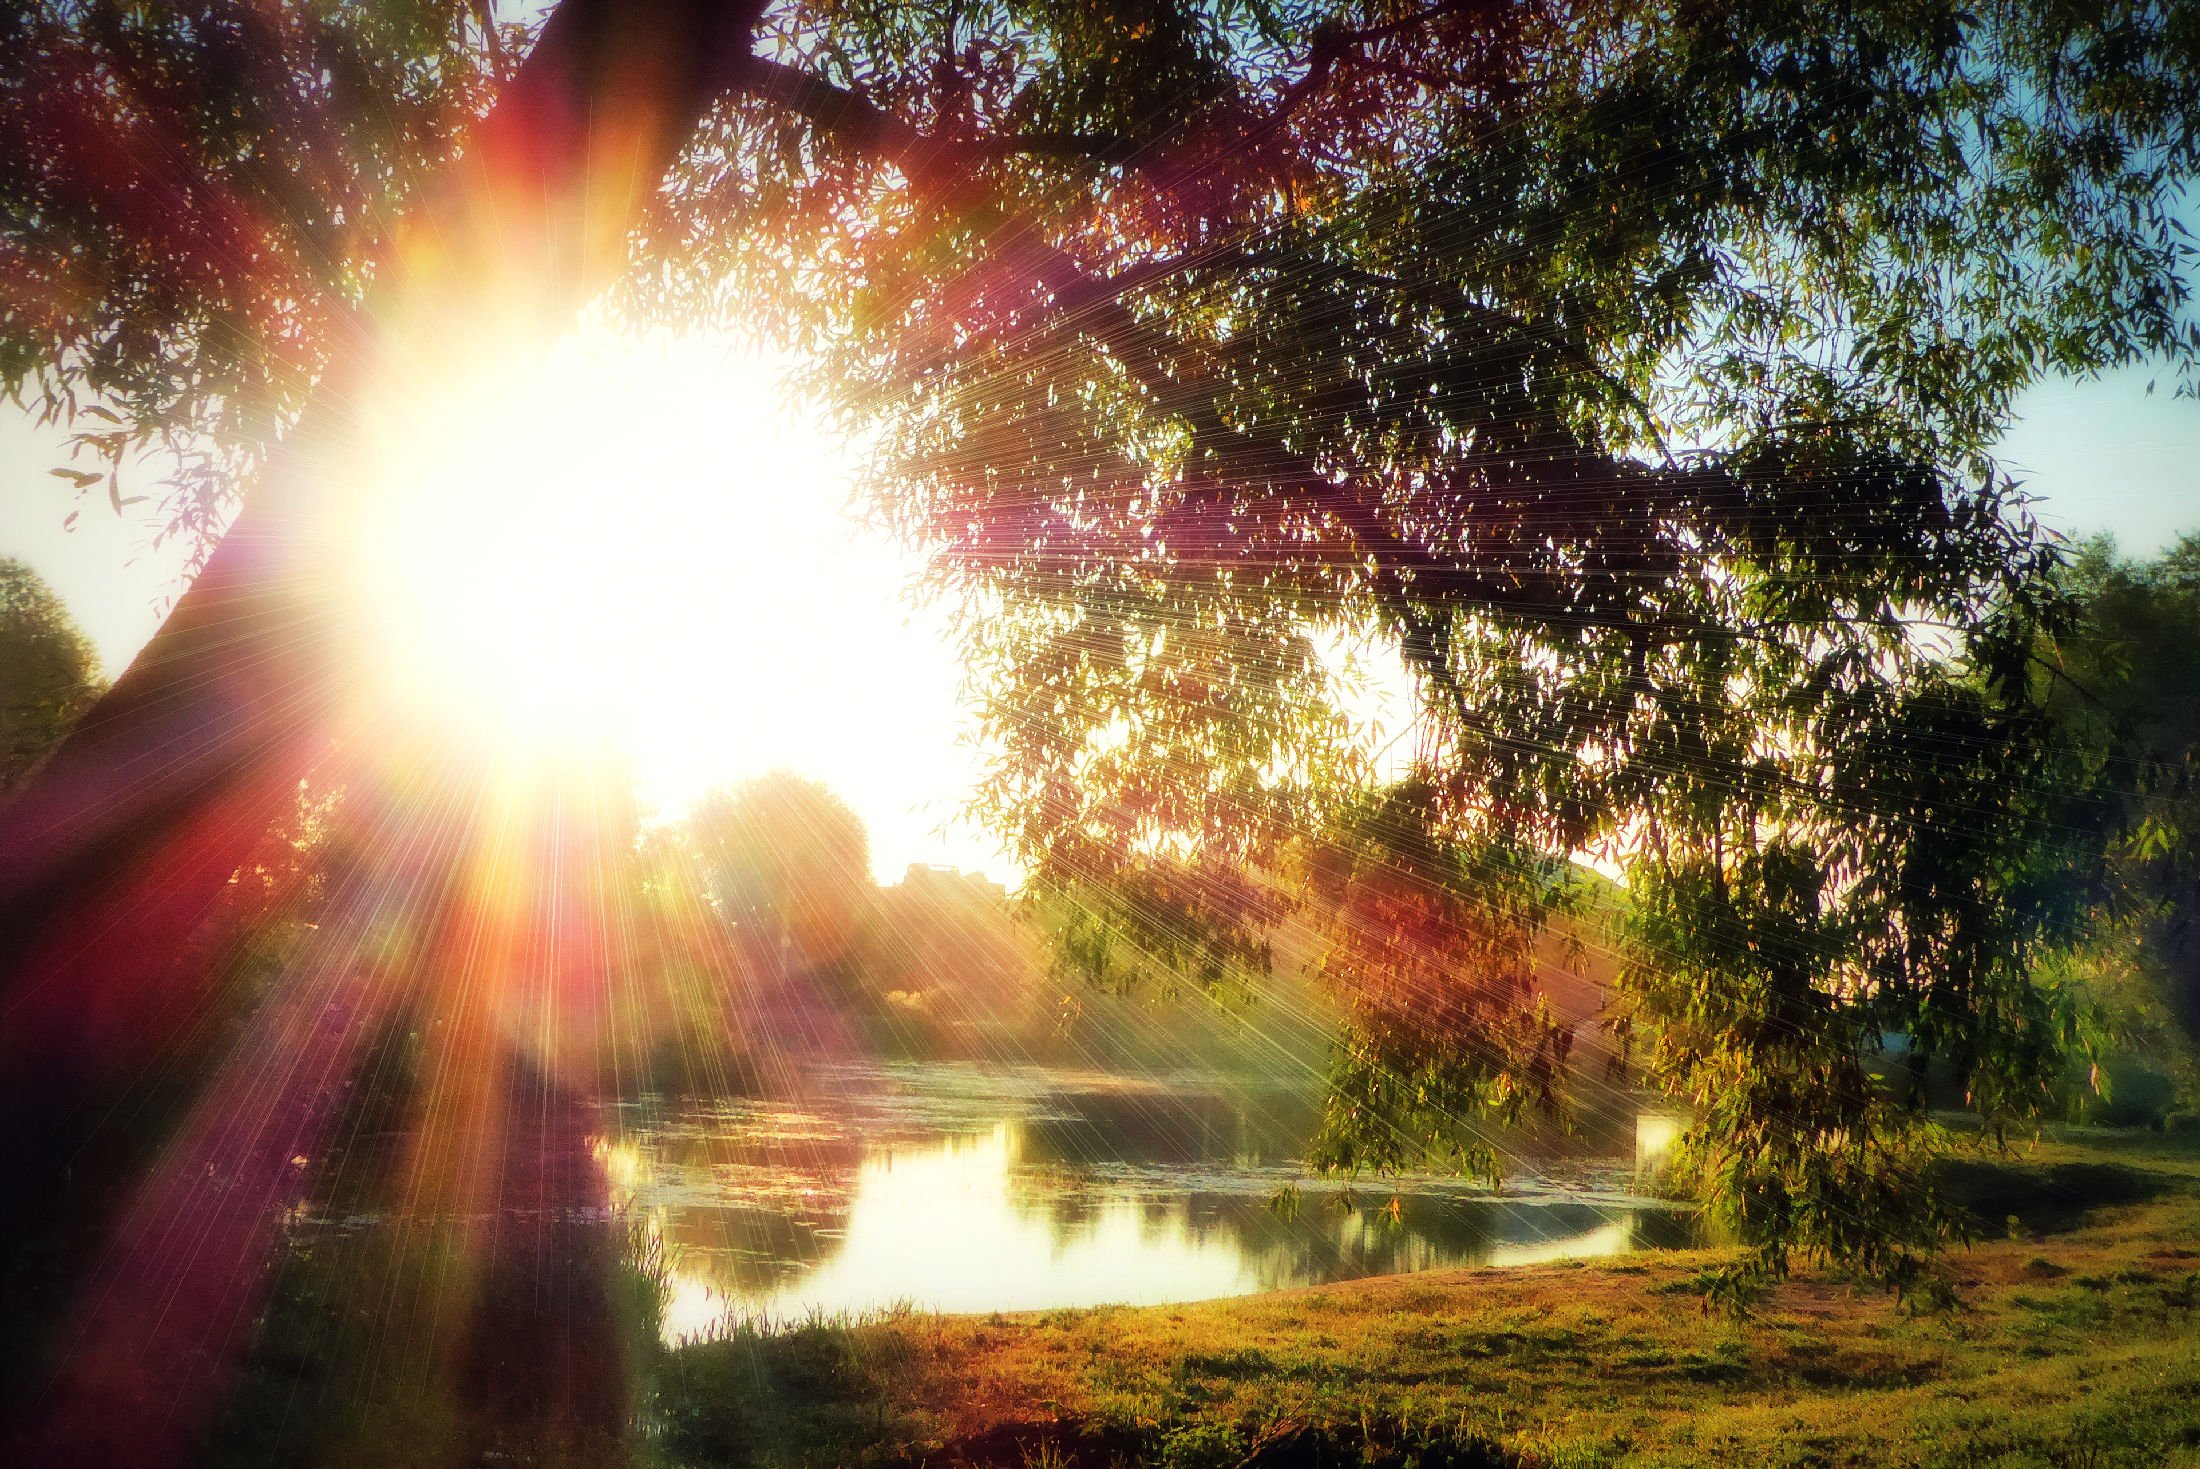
(192, 199)
(787, 858)
(1630, 371)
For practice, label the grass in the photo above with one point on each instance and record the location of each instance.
(2077, 1343)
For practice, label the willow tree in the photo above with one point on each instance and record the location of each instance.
(1628, 371)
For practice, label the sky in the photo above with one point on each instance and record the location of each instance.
(2107, 455)
(651, 535)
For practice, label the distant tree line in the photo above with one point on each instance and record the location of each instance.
(2123, 681)
(49, 675)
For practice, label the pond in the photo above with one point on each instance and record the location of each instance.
(960, 1188)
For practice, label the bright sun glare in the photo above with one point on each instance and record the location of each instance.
(644, 544)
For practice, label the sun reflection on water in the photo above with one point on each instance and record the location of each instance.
(1616, 1238)
(939, 1228)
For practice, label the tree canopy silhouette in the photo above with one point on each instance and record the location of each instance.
(788, 859)
(1628, 372)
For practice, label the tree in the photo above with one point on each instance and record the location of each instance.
(788, 860)
(225, 220)
(949, 961)
(2125, 680)
(338, 248)
(48, 673)
(1200, 337)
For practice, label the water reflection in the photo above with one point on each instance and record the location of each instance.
(1045, 1194)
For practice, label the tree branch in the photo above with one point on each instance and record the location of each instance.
(946, 173)
(1109, 148)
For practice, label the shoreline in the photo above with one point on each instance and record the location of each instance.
(2074, 1344)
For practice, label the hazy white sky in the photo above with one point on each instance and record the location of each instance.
(103, 564)
(671, 540)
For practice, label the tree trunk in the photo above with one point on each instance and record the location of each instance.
(113, 854)
(119, 845)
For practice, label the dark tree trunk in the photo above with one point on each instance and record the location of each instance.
(114, 854)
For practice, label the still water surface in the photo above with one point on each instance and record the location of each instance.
(999, 1189)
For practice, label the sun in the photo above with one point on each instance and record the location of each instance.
(645, 545)
(555, 548)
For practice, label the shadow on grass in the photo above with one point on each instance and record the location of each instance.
(785, 1395)
(2007, 1198)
